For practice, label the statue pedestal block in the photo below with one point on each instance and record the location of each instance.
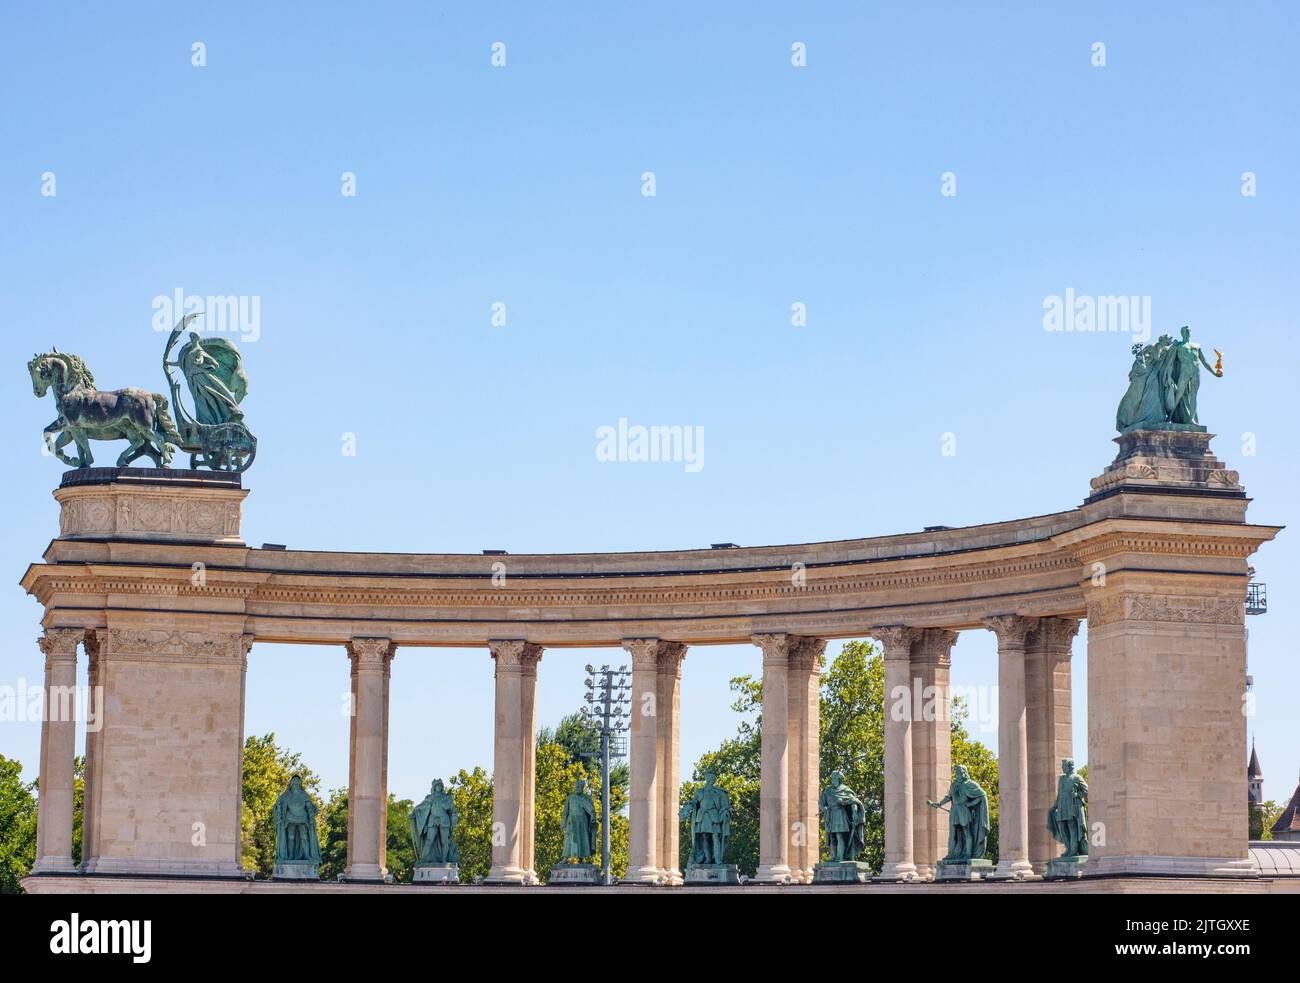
(295, 872)
(715, 874)
(437, 874)
(967, 870)
(842, 872)
(1065, 868)
(575, 874)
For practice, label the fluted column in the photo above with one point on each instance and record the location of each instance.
(1013, 754)
(805, 658)
(1049, 726)
(513, 749)
(931, 748)
(669, 702)
(58, 748)
(644, 829)
(371, 659)
(897, 643)
(774, 791)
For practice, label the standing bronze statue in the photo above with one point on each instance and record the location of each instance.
(709, 813)
(968, 828)
(297, 849)
(433, 829)
(578, 821)
(1067, 820)
(843, 819)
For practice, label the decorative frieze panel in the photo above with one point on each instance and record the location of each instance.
(150, 512)
(1165, 608)
(164, 645)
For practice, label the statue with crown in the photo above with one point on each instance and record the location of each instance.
(214, 434)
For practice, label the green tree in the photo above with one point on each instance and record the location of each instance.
(1262, 818)
(472, 793)
(267, 770)
(332, 828)
(17, 826)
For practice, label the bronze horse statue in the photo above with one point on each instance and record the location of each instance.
(86, 413)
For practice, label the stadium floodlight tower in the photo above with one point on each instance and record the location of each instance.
(608, 707)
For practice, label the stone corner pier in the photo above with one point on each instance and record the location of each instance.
(150, 582)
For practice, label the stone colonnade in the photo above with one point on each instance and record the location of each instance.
(150, 577)
(1034, 734)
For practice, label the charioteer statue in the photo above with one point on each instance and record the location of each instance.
(214, 435)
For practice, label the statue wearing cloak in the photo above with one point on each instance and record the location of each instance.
(294, 814)
(968, 825)
(1143, 404)
(214, 371)
(579, 823)
(433, 823)
(1067, 820)
(709, 812)
(842, 818)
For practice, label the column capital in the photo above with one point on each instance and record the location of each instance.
(1011, 629)
(367, 654)
(671, 656)
(896, 640)
(60, 644)
(775, 646)
(647, 653)
(805, 652)
(514, 653)
(1057, 633)
(935, 646)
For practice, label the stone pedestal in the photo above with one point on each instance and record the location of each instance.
(1164, 560)
(1065, 868)
(575, 874)
(295, 872)
(842, 872)
(718, 874)
(437, 874)
(151, 504)
(970, 870)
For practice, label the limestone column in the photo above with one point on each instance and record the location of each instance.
(1013, 775)
(669, 702)
(805, 657)
(58, 748)
(931, 748)
(367, 808)
(528, 737)
(644, 763)
(512, 754)
(92, 786)
(897, 643)
(774, 793)
(1048, 724)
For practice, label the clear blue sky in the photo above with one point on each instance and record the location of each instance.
(775, 185)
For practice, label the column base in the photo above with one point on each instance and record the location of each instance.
(506, 875)
(1014, 870)
(364, 872)
(773, 874)
(1171, 866)
(904, 872)
(924, 872)
(645, 875)
(54, 865)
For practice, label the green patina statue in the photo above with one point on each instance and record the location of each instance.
(1163, 383)
(579, 824)
(433, 828)
(297, 850)
(215, 436)
(843, 818)
(709, 812)
(968, 826)
(1068, 818)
